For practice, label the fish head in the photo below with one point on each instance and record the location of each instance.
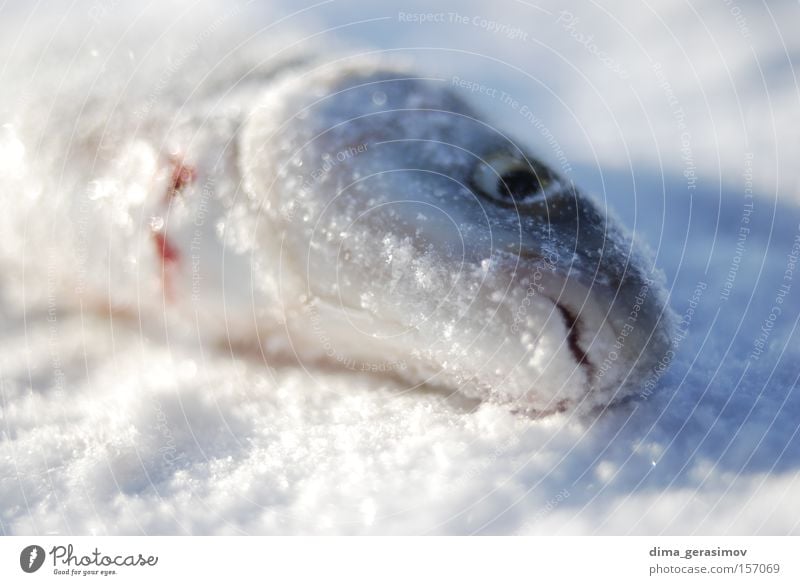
(416, 233)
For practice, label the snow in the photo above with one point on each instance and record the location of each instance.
(681, 117)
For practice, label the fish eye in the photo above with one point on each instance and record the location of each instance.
(511, 181)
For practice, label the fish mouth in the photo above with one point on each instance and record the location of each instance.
(589, 313)
(575, 326)
(583, 313)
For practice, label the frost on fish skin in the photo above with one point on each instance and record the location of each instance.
(384, 232)
(339, 213)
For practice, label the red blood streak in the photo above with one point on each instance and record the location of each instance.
(169, 256)
(166, 251)
(182, 175)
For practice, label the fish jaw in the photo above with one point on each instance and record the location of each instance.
(539, 343)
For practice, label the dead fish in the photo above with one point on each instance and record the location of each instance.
(353, 212)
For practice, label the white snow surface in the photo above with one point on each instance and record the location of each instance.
(679, 116)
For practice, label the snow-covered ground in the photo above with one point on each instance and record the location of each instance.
(683, 117)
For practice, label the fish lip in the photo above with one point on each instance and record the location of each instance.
(572, 317)
(575, 326)
(588, 310)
